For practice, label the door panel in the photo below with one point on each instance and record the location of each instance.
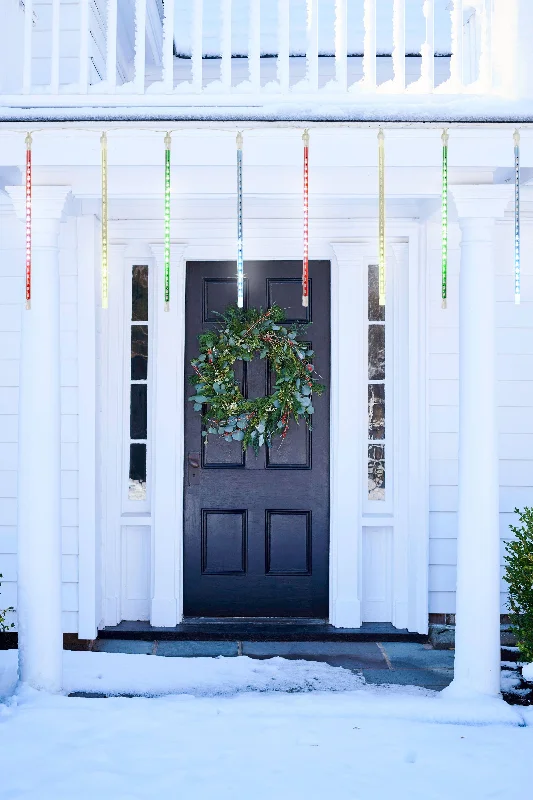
(256, 539)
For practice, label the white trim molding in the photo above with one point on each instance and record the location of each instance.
(405, 513)
(168, 444)
(348, 303)
(89, 575)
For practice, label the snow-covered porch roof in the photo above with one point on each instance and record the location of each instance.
(308, 60)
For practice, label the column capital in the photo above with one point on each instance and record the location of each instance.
(47, 202)
(482, 201)
(177, 251)
(348, 253)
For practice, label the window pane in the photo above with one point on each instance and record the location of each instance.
(137, 482)
(138, 411)
(376, 411)
(139, 352)
(376, 472)
(376, 313)
(139, 293)
(376, 352)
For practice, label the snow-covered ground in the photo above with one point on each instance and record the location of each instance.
(276, 728)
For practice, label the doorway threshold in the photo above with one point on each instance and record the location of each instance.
(260, 630)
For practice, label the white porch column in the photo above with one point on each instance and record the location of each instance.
(347, 393)
(39, 451)
(477, 646)
(168, 455)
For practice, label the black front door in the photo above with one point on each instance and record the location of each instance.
(256, 538)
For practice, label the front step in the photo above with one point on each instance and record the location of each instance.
(260, 631)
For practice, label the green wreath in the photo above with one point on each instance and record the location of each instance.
(239, 336)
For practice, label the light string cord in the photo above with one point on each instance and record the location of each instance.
(28, 195)
(305, 265)
(381, 226)
(240, 252)
(105, 222)
(168, 141)
(517, 268)
(444, 220)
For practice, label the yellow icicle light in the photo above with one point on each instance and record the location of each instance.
(381, 172)
(105, 264)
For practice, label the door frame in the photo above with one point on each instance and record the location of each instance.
(270, 240)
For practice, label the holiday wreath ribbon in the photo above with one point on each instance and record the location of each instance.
(241, 334)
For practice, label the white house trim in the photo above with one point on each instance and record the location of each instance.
(168, 441)
(347, 392)
(88, 495)
(407, 519)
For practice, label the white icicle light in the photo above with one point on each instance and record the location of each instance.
(240, 255)
(105, 272)
(517, 218)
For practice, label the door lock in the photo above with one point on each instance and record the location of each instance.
(193, 462)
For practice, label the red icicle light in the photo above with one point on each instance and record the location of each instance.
(305, 272)
(28, 220)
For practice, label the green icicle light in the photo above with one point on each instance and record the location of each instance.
(444, 277)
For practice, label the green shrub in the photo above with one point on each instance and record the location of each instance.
(519, 576)
(3, 624)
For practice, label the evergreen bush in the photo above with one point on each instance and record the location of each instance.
(4, 626)
(519, 576)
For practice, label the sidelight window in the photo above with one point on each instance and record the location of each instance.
(377, 390)
(138, 384)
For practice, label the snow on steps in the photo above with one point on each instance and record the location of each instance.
(119, 674)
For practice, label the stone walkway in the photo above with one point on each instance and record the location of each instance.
(402, 663)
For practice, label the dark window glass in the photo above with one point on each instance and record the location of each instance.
(376, 352)
(138, 462)
(376, 411)
(376, 313)
(138, 411)
(376, 472)
(139, 352)
(139, 294)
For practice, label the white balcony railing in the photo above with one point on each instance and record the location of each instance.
(244, 52)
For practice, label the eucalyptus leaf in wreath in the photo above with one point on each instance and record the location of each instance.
(242, 334)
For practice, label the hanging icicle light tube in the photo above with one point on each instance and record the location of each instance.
(104, 246)
(517, 218)
(305, 270)
(240, 256)
(381, 232)
(167, 221)
(444, 272)
(28, 220)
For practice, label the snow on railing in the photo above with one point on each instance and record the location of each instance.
(260, 35)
